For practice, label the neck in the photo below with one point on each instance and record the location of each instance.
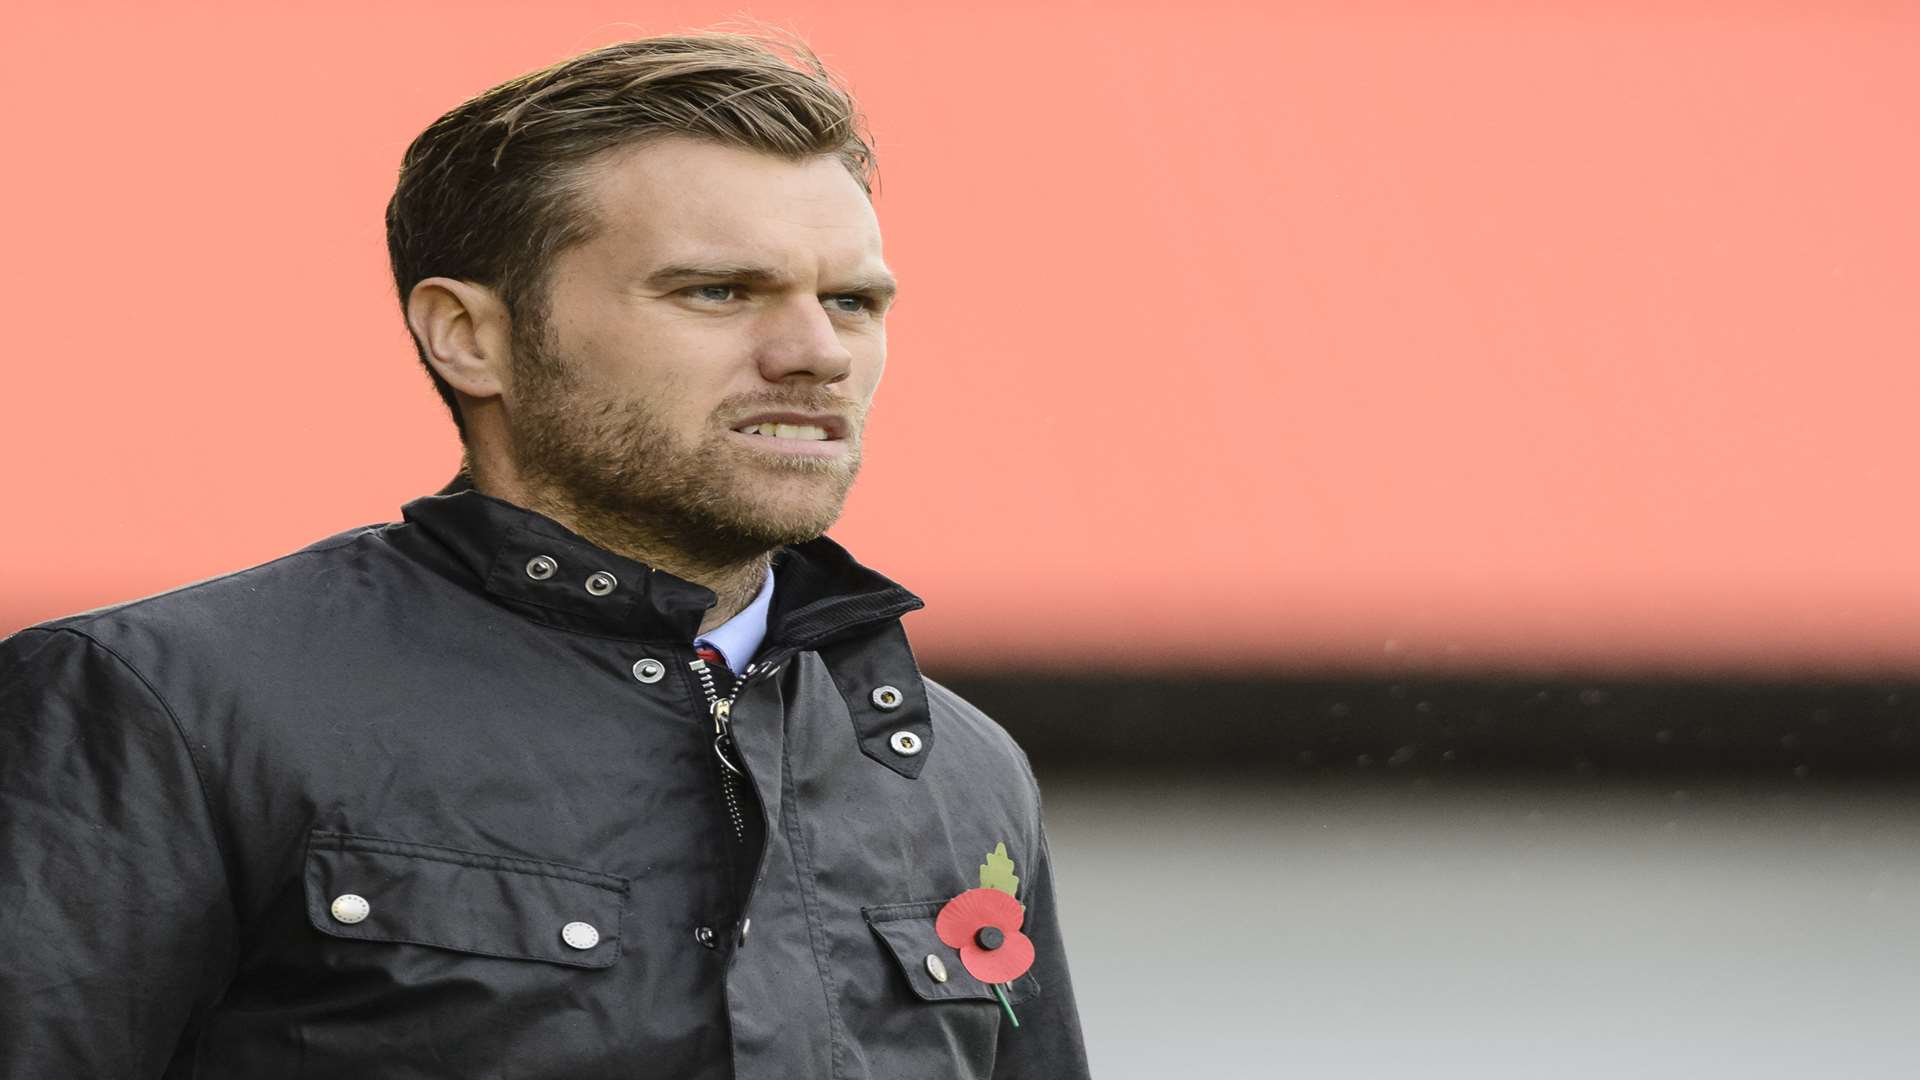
(734, 582)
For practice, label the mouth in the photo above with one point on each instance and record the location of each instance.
(811, 432)
(798, 434)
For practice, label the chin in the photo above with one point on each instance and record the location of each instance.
(791, 525)
(757, 513)
(793, 504)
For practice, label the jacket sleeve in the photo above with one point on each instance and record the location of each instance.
(1047, 1045)
(116, 921)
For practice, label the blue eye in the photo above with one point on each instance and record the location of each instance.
(863, 303)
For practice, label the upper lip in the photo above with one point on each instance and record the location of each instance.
(835, 426)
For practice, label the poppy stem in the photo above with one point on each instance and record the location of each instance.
(1000, 992)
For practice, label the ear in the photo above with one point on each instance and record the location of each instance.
(465, 332)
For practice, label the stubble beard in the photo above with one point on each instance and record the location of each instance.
(615, 467)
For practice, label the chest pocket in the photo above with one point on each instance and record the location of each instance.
(367, 888)
(907, 931)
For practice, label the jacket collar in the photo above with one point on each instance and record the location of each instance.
(498, 548)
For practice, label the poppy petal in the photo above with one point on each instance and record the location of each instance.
(1002, 965)
(964, 915)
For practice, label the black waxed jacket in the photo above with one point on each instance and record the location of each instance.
(403, 804)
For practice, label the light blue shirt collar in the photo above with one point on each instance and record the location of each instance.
(737, 639)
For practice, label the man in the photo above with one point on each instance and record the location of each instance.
(602, 762)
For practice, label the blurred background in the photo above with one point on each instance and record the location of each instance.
(1424, 481)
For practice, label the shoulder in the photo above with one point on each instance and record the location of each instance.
(61, 688)
(51, 654)
(955, 716)
(251, 605)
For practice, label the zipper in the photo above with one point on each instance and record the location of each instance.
(731, 772)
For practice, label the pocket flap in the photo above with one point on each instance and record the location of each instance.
(907, 930)
(490, 905)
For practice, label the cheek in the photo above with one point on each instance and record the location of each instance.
(675, 376)
(870, 362)
(685, 401)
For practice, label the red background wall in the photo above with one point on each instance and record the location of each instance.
(1463, 335)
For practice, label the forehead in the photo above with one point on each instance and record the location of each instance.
(674, 199)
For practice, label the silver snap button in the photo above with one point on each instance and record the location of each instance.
(600, 583)
(541, 567)
(704, 935)
(936, 967)
(905, 743)
(348, 908)
(649, 670)
(887, 698)
(580, 935)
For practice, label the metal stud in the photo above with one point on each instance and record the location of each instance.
(350, 909)
(887, 698)
(704, 935)
(936, 967)
(579, 935)
(600, 583)
(541, 567)
(905, 743)
(649, 670)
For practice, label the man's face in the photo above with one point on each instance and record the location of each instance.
(706, 360)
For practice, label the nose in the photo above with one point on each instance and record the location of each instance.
(802, 345)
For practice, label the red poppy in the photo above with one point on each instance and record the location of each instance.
(984, 924)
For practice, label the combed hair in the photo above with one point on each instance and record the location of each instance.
(489, 192)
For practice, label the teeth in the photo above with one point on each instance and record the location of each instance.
(786, 431)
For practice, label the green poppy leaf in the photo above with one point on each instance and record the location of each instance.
(997, 872)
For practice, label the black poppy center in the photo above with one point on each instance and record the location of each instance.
(990, 937)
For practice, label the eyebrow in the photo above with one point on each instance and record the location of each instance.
(880, 285)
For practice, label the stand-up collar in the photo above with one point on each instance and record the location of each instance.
(544, 570)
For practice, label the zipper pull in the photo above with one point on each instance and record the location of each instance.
(723, 735)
